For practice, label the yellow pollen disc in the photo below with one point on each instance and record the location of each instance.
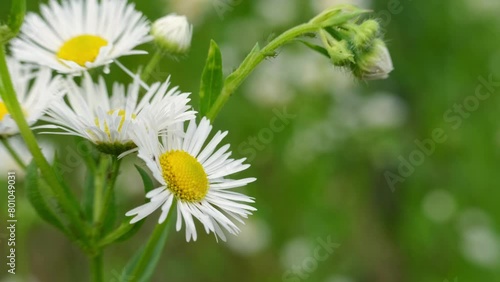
(82, 49)
(3, 111)
(185, 176)
(123, 116)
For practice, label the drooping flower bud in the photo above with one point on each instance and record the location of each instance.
(375, 63)
(365, 33)
(173, 34)
(337, 50)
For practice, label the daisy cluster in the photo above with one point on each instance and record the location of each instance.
(49, 66)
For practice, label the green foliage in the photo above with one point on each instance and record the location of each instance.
(40, 197)
(211, 79)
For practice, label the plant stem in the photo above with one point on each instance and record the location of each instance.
(144, 261)
(110, 189)
(152, 64)
(96, 266)
(10, 99)
(13, 153)
(117, 233)
(234, 80)
(99, 183)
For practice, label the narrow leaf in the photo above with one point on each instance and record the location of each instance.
(148, 183)
(211, 79)
(35, 196)
(316, 48)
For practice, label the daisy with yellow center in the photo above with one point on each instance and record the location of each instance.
(194, 176)
(36, 90)
(107, 119)
(76, 35)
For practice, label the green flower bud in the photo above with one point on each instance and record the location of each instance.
(338, 15)
(337, 50)
(173, 34)
(365, 33)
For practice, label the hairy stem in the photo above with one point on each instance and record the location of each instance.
(234, 80)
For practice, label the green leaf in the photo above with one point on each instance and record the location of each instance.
(142, 265)
(14, 22)
(211, 79)
(148, 183)
(35, 194)
(17, 13)
(316, 48)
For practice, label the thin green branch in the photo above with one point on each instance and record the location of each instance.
(13, 153)
(234, 80)
(151, 66)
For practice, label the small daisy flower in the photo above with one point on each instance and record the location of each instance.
(173, 34)
(77, 35)
(35, 90)
(108, 120)
(194, 176)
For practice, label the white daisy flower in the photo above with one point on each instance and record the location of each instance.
(35, 90)
(108, 120)
(76, 35)
(193, 176)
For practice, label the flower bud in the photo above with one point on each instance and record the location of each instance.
(365, 34)
(173, 34)
(375, 63)
(337, 50)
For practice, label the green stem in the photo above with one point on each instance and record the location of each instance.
(13, 153)
(234, 80)
(152, 64)
(160, 232)
(10, 99)
(96, 267)
(116, 234)
(99, 184)
(110, 189)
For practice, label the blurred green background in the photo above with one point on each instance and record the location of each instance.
(324, 176)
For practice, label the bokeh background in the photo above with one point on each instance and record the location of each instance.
(324, 176)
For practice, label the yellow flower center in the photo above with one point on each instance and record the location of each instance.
(3, 111)
(81, 49)
(185, 176)
(121, 113)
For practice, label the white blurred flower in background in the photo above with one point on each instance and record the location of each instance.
(480, 243)
(439, 206)
(278, 12)
(294, 252)
(193, 9)
(383, 110)
(339, 278)
(255, 236)
(350, 115)
(321, 5)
